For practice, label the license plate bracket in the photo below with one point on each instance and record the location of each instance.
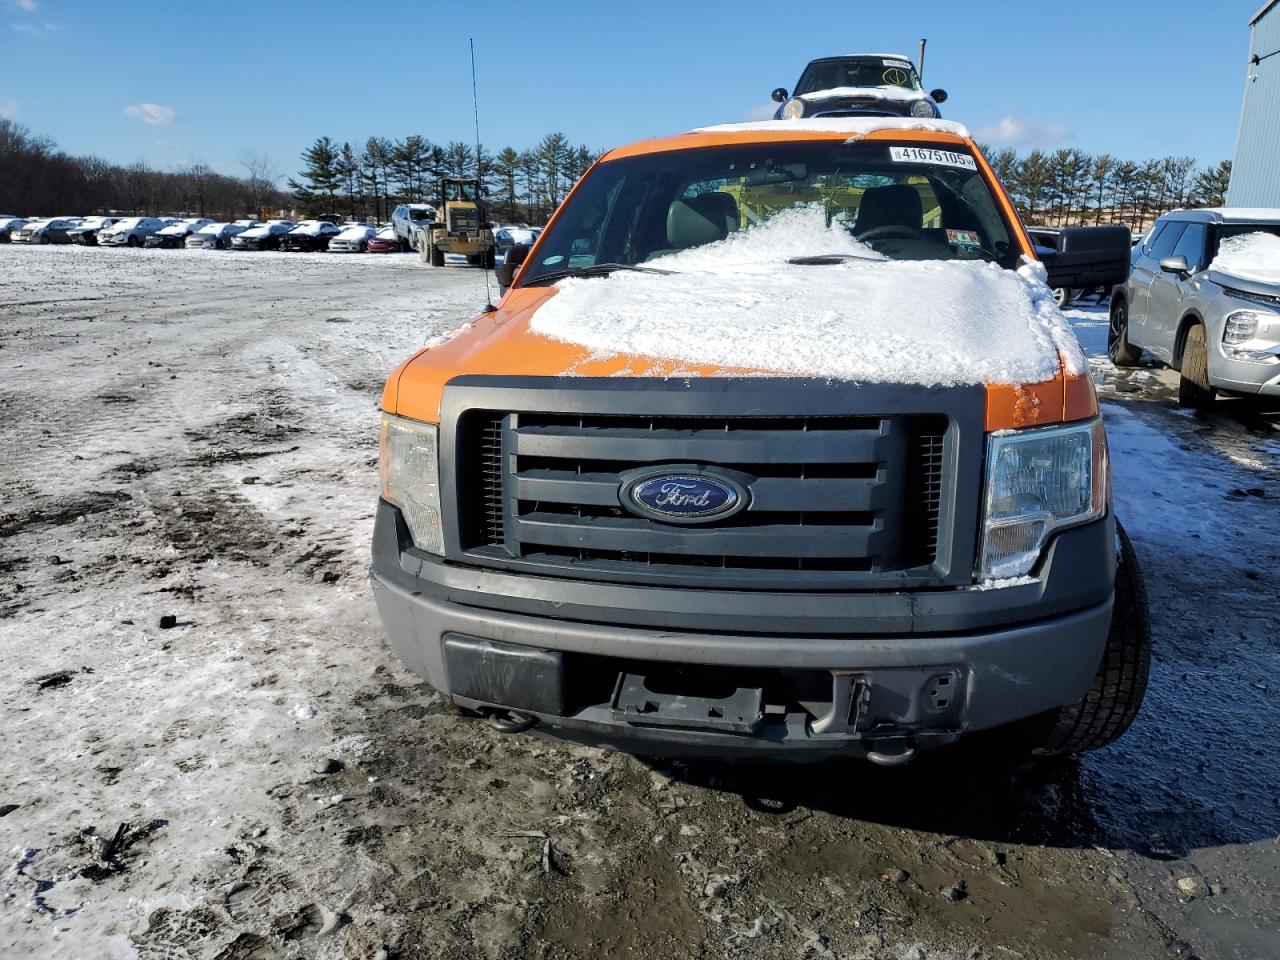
(636, 701)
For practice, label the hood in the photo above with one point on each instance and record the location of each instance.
(255, 232)
(355, 233)
(174, 230)
(897, 94)
(912, 322)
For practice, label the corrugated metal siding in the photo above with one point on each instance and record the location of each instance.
(1255, 172)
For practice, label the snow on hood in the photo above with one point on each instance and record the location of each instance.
(853, 126)
(308, 228)
(355, 233)
(175, 229)
(738, 304)
(884, 92)
(263, 231)
(1250, 256)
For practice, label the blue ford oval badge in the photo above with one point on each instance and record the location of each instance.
(682, 498)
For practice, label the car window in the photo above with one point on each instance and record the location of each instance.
(1162, 244)
(1191, 246)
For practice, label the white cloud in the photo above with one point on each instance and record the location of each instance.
(1021, 132)
(27, 5)
(762, 111)
(152, 113)
(8, 108)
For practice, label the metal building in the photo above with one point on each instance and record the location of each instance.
(1255, 172)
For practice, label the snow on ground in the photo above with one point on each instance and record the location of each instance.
(1250, 256)
(865, 318)
(193, 435)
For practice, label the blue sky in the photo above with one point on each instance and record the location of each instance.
(176, 82)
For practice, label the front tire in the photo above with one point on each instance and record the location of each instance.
(1119, 349)
(134, 242)
(437, 256)
(1062, 296)
(1194, 390)
(1103, 714)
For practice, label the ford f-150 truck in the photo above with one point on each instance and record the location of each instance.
(774, 445)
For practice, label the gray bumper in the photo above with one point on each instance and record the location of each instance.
(1012, 652)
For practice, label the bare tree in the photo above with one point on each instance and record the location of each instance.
(261, 180)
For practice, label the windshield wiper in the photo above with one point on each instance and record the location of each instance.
(595, 270)
(826, 259)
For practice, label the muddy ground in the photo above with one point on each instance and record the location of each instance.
(206, 750)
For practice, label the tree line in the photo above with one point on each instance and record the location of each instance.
(1070, 187)
(38, 179)
(367, 183)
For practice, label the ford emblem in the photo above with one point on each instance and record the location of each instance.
(683, 497)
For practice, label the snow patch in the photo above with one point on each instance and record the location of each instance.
(1250, 256)
(884, 92)
(852, 126)
(739, 304)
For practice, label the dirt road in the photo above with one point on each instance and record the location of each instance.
(207, 751)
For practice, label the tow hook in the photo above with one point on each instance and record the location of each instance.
(510, 721)
(892, 753)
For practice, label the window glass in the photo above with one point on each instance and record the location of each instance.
(906, 202)
(1164, 242)
(857, 72)
(1225, 230)
(1191, 246)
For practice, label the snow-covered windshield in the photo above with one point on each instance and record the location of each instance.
(903, 201)
(857, 72)
(1251, 252)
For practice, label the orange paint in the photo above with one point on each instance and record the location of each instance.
(501, 343)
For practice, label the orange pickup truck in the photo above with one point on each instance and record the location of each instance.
(775, 445)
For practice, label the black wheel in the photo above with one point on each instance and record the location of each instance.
(489, 259)
(1194, 390)
(1062, 296)
(133, 242)
(437, 256)
(1119, 349)
(1103, 714)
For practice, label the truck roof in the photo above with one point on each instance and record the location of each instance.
(815, 128)
(1231, 214)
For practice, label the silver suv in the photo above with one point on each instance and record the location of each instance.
(1215, 319)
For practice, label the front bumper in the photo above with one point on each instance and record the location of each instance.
(1008, 653)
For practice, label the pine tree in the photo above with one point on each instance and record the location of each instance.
(321, 180)
(348, 169)
(506, 169)
(1210, 189)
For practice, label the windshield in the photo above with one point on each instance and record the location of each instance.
(417, 214)
(460, 191)
(1240, 229)
(857, 72)
(905, 202)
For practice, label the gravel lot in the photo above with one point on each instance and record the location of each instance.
(207, 751)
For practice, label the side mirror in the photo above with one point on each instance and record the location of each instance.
(779, 95)
(939, 95)
(510, 266)
(1089, 257)
(1176, 265)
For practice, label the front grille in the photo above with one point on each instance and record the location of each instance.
(833, 499)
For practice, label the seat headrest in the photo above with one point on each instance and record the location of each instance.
(692, 221)
(894, 205)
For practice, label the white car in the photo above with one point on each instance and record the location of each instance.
(408, 218)
(176, 233)
(51, 230)
(504, 238)
(354, 238)
(130, 232)
(214, 236)
(265, 236)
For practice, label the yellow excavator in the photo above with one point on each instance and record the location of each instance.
(460, 228)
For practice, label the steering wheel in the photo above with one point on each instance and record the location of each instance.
(891, 231)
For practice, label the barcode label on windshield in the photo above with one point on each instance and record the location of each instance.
(931, 155)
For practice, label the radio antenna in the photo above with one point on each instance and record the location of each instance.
(475, 107)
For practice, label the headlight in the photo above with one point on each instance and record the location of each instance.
(923, 108)
(793, 109)
(1241, 327)
(1039, 481)
(410, 471)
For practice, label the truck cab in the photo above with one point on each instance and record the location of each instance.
(775, 445)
